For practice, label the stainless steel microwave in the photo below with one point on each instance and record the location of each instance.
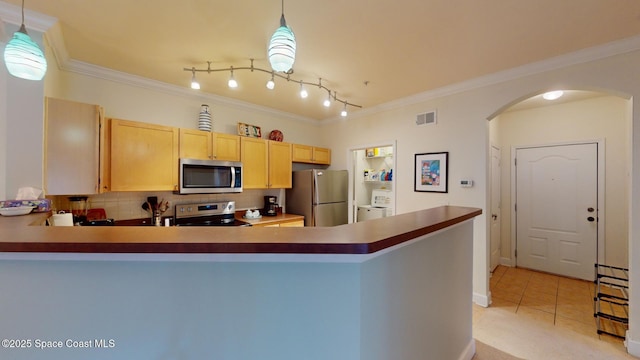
(210, 176)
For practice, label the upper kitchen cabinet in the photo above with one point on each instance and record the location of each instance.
(226, 147)
(205, 145)
(266, 164)
(311, 154)
(280, 166)
(72, 143)
(144, 157)
(196, 144)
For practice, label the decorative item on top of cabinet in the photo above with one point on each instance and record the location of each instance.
(204, 118)
(276, 135)
(72, 165)
(311, 154)
(144, 157)
(266, 164)
(249, 130)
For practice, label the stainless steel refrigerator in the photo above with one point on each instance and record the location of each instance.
(320, 196)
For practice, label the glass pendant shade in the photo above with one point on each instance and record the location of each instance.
(23, 57)
(282, 48)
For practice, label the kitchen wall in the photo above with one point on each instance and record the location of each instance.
(21, 124)
(604, 117)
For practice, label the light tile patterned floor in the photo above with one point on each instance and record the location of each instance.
(547, 298)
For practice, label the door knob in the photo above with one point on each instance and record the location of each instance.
(590, 209)
(591, 219)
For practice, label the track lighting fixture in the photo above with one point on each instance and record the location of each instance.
(303, 92)
(232, 80)
(23, 57)
(327, 101)
(271, 82)
(343, 113)
(195, 85)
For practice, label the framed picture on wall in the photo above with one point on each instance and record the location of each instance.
(431, 172)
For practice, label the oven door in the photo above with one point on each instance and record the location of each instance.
(210, 176)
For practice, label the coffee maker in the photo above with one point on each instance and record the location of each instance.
(270, 206)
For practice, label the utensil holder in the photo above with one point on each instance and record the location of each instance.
(156, 220)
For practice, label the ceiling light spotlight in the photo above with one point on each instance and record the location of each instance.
(303, 92)
(232, 80)
(327, 101)
(553, 95)
(282, 47)
(271, 84)
(23, 56)
(195, 85)
(343, 113)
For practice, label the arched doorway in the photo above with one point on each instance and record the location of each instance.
(584, 116)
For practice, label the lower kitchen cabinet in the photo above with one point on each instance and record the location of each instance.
(144, 157)
(266, 163)
(298, 223)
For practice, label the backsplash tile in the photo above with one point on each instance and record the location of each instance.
(128, 205)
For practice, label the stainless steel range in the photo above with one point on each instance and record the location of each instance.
(207, 214)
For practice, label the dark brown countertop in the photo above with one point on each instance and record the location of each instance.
(18, 234)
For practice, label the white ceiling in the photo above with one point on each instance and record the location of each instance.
(370, 51)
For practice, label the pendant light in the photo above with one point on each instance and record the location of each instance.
(282, 47)
(22, 56)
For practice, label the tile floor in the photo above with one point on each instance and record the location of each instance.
(551, 299)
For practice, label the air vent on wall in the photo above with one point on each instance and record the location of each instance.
(426, 118)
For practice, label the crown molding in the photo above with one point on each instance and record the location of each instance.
(12, 14)
(103, 73)
(613, 48)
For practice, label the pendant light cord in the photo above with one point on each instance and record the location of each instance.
(23, 11)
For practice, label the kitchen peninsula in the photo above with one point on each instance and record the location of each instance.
(391, 288)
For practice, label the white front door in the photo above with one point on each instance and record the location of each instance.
(495, 208)
(556, 209)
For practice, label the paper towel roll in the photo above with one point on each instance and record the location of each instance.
(62, 220)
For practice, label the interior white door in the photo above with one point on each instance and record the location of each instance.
(556, 209)
(495, 208)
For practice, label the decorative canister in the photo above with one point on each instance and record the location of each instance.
(204, 119)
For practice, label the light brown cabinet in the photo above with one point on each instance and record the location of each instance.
(267, 164)
(205, 145)
(144, 157)
(195, 144)
(226, 147)
(74, 145)
(311, 154)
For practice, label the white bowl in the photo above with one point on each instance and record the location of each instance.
(16, 210)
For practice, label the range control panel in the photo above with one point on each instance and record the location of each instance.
(205, 209)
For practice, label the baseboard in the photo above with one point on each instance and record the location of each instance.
(633, 346)
(469, 351)
(482, 300)
(506, 261)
